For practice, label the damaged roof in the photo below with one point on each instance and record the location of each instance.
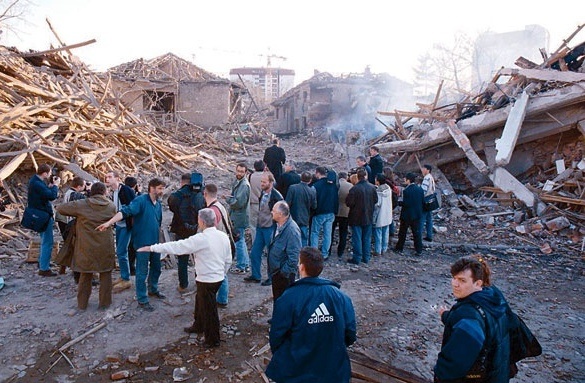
(168, 67)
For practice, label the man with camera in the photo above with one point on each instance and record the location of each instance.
(40, 196)
(185, 204)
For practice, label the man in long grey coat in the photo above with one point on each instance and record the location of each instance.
(94, 250)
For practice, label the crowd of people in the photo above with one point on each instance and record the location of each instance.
(292, 218)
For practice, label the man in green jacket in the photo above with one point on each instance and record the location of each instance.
(239, 202)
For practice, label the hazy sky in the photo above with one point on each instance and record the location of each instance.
(333, 36)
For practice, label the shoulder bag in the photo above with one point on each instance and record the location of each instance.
(431, 202)
(35, 219)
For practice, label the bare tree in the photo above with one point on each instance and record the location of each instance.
(426, 79)
(454, 63)
(12, 12)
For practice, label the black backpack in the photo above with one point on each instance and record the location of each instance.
(189, 207)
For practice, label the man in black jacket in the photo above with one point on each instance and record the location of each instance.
(274, 158)
(327, 205)
(185, 204)
(376, 164)
(302, 200)
(288, 178)
(361, 200)
(411, 213)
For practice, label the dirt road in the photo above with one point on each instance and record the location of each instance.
(394, 299)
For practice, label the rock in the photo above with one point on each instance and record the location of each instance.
(118, 375)
(519, 216)
(456, 212)
(558, 223)
(113, 358)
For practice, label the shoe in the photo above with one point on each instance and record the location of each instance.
(266, 282)
(192, 330)
(222, 305)
(95, 282)
(157, 294)
(235, 270)
(427, 239)
(122, 286)
(47, 273)
(252, 280)
(247, 269)
(351, 261)
(398, 251)
(181, 289)
(146, 306)
(62, 269)
(418, 253)
(117, 281)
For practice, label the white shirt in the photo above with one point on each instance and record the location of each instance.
(213, 254)
(428, 184)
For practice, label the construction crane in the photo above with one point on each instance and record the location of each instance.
(272, 56)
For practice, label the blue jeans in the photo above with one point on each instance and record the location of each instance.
(262, 240)
(147, 266)
(381, 237)
(122, 241)
(242, 259)
(46, 247)
(222, 293)
(324, 221)
(361, 241)
(427, 220)
(304, 235)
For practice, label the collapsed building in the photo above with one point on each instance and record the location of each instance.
(169, 89)
(523, 134)
(338, 104)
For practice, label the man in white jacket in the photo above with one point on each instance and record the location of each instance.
(213, 258)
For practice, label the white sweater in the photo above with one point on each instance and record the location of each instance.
(213, 255)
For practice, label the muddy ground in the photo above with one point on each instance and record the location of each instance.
(394, 299)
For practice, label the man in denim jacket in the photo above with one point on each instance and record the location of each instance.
(283, 251)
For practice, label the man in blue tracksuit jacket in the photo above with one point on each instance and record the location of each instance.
(312, 324)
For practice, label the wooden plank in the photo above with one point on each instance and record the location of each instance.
(67, 47)
(10, 167)
(556, 198)
(385, 368)
(367, 374)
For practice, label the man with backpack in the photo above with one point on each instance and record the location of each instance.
(185, 203)
(476, 342)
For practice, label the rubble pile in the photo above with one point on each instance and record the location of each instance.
(521, 140)
(54, 110)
